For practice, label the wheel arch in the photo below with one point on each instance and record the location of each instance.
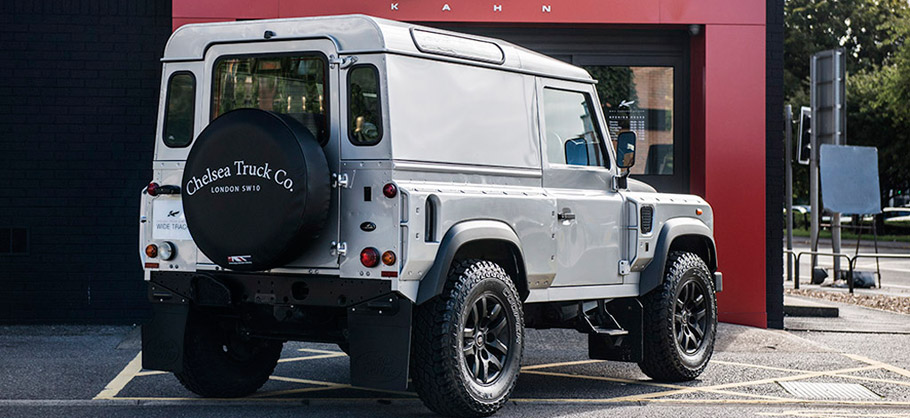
(487, 239)
(679, 234)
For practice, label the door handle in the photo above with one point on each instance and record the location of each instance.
(565, 216)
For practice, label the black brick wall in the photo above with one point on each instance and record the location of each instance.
(78, 100)
(774, 164)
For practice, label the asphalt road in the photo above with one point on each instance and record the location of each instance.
(93, 371)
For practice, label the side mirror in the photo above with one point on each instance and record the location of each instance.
(625, 149)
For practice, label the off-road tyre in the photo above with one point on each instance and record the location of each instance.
(218, 363)
(665, 357)
(441, 368)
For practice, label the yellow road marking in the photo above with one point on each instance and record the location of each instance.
(714, 401)
(304, 381)
(315, 357)
(831, 413)
(314, 350)
(122, 378)
(335, 385)
(293, 391)
(567, 363)
(886, 366)
(873, 379)
(653, 384)
(150, 373)
(757, 366)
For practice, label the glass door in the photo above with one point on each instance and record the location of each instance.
(647, 95)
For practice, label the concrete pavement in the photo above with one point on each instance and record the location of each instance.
(80, 371)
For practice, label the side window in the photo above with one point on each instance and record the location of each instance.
(180, 110)
(364, 117)
(294, 85)
(573, 135)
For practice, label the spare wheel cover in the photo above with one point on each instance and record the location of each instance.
(256, 189)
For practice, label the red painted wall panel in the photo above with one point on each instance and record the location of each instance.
(726, 12)
(735, 165)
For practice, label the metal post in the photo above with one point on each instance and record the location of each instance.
(788, 161)
(839, 140)
(813, 172)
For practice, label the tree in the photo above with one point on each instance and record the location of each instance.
(874, 34)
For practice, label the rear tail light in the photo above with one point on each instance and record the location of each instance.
(152, 189)
(390, 190)
(369, 257)
(388, 258)
(151, 251)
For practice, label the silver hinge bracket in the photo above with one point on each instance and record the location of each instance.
(340, 181)
(342, 63)
(624, 269)
(339, 248)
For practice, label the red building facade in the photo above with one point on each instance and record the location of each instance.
(717, 117)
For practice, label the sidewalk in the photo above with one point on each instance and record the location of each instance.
(851, 318)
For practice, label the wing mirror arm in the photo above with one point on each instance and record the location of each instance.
(625, 158)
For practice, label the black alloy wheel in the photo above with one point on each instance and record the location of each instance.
(486, 339)
(690, 322)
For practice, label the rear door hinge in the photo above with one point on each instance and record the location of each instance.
(342, 63)
(339, 248)
(624, 269)
(340, 180)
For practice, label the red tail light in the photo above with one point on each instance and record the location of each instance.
(152, 189)
(389, 190)
(369, 257)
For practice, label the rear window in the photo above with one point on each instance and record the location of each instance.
(181, 104)
(294, 85)
(364, 118)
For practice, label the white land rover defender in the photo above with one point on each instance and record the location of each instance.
(414, 195)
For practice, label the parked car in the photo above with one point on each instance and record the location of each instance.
(897, 219)
(418, 197)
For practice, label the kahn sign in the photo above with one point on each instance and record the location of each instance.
(239, 168)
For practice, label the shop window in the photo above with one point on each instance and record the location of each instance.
(181, 104)
(292, 85)
(364, 117)
(640, 99)
(572, 133)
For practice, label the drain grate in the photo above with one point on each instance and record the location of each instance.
(837, 391)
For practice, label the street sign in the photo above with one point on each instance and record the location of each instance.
(828, 79)
(849, 176)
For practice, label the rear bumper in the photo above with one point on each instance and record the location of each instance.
(231, 288)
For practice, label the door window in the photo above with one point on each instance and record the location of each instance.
(572, 133)
(181, 104)
(292, 85)
(640, 99)
(365, 119)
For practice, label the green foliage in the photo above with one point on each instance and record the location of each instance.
(874, 34)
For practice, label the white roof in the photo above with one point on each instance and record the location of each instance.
(354, 34)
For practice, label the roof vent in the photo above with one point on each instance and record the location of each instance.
(457, 46)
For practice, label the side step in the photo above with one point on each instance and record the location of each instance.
(619, 338)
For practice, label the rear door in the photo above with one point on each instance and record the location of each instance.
(296, 78)
(578, 172)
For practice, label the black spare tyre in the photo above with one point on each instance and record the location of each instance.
(256, 189)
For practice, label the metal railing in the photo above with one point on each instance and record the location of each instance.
(851, 261)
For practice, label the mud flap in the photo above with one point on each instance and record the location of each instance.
(628, 313)
(380, 342)
(162, 337)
